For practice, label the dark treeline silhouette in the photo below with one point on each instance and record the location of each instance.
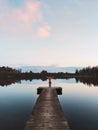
(86, 75)
(9, 75)
(88, 80)
(88, 71)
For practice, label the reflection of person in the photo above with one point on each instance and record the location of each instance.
(49, 80)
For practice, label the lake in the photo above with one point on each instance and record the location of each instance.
(79, 103)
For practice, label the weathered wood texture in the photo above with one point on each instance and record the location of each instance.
(58, 90)
(47, 113)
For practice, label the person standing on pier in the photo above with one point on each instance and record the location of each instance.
(49, 80)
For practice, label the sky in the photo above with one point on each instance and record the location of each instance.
(49, 32)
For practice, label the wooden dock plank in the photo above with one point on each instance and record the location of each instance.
(47, 113)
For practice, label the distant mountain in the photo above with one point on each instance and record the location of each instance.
(48, 69)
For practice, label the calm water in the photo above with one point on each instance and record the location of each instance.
(79, 102)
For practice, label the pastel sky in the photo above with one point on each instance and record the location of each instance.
(49, 32)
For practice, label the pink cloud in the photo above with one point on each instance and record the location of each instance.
(30, 13)
(20, 21)
(43, 32)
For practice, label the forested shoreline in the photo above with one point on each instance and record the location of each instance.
(9, 75)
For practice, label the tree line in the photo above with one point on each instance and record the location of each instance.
(8, 72)
(88, 75)
(88, 71)
(9, 75)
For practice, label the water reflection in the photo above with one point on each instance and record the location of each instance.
(88, 81)
(79, 103)
(16, 104)
(6, 82)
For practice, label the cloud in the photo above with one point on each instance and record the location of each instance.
(22, 20)
(43, 32)
(30, 13)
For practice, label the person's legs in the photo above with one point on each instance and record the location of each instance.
(49, 84)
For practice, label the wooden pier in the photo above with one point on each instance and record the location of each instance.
(47, 113)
